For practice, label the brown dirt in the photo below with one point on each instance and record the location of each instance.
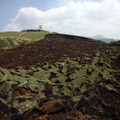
(53, 48)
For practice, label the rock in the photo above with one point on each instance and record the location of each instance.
(69, 115)
(45, 117)
(75, 115)
(52, 106)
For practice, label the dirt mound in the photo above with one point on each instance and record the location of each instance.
(53, 48)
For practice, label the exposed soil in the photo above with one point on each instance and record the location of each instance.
(93, 104)
(53, 48)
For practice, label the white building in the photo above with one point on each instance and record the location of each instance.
(40, 27)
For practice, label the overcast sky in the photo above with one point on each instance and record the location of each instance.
(78, 17)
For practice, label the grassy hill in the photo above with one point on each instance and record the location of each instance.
(10, 40)
(58, 78)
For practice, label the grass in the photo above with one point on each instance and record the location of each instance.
(8, 39)
(35, 36)
(10, 34)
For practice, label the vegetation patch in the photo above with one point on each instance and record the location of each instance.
(9, 40)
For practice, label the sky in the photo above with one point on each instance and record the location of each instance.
(78, 17)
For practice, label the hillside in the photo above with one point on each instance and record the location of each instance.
(60, 77)
(9, 40)
(53, 48)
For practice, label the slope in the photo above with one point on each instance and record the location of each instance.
(9, 40)
(53, 48)
(59, 78)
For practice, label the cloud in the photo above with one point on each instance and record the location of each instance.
(86, 18)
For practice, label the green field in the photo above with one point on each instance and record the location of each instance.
(10, 34)
(35, 36)
(10, 40)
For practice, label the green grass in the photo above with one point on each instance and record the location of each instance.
(10, 34)
(9, 40)
(35, 36)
